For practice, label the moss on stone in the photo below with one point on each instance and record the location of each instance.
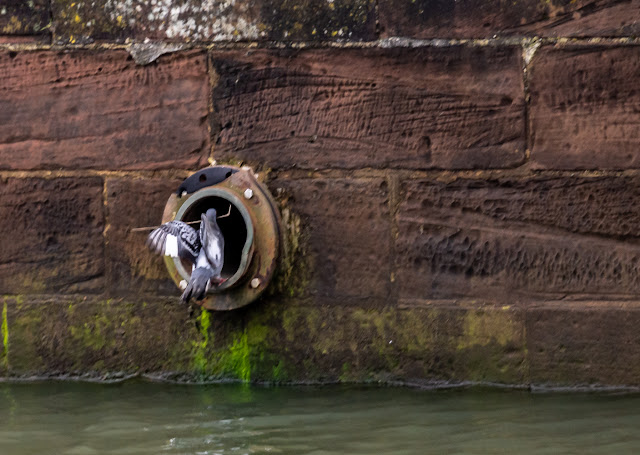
(292, 275)
(199, 354)
(481, 328)
(493, 346)
(241, 354)
(23, 17)
(237, 358)
(25, 325)
(4, 330)
(319, 19)
(93, 334)
(79, 22)
(13, 26)
(272, 341)
(278, 373)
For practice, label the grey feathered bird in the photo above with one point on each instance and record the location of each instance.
(204, 249)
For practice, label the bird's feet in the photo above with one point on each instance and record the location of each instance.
(218, 281)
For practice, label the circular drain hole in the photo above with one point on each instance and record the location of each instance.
(236, 227)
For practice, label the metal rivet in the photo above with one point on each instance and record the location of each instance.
(255, 283)
(248, 193)
(183, 284)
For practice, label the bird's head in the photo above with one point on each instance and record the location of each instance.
(211, 214)
(208, 220)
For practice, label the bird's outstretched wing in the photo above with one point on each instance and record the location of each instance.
(175, 239)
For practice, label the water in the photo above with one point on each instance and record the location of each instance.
(149, 418)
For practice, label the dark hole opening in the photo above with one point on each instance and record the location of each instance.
(233, 229)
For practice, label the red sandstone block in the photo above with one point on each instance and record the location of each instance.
(346, 237)
(452, 108)
(584, 343)
(130, 265)
(584, 108)
(604, 206)
(20, 39)
(20, 17)
(512, 240)
(51, 235)
(486, 19)
(99, 110)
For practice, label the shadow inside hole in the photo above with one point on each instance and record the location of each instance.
(233, 227)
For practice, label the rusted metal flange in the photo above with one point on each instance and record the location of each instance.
(252, 236)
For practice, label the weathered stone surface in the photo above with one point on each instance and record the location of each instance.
(21, 39)
(513, 240)
(319, 20)
(75, 335)
(558, 343)
(189, 20)
(99, 110)
(20, 17)
(455, 107)
(486, 19)
(51, 235)
(584, 343)
(4, 340)
(131, 266)
(587, 205)
(276, 341)
(418, 345)
(584, 108)
(346, 237)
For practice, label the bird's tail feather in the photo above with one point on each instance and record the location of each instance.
(197, 286)
(186, 295)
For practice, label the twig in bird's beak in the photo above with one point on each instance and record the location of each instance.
(150, 228)
(228, 213)
(218, 217)
(145, 228)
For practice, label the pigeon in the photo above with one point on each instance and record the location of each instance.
(203, 248)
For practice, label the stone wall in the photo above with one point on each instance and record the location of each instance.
(458, 179)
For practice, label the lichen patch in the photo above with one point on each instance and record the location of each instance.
(215, 20)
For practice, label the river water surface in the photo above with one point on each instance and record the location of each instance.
(152, 418)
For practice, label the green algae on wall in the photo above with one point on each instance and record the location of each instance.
(291, 278)
(329, 343)
(4, 330)
(481, 328)
(236, 359)
(493, 345)
(271, 341)
(199, 354)
(24, 322)
(92, 334)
